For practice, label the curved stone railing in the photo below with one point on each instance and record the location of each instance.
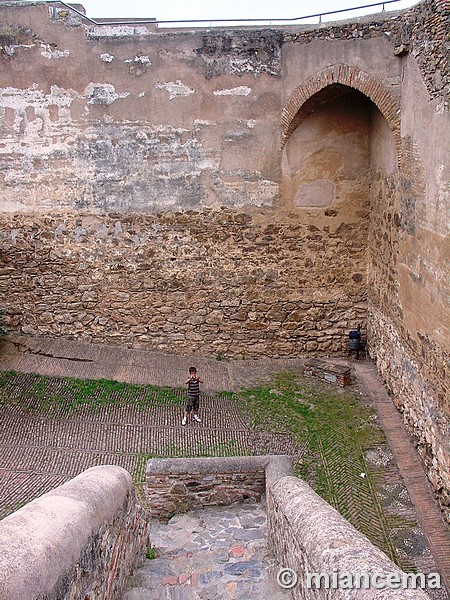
(304, 533)
(81, 540)
(307, 535)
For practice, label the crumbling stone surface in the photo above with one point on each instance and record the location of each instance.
(13, 37)
(422, 30)
(236, 52)
(201, 282)
(428, 27)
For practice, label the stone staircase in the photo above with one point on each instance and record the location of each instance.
(211, 554)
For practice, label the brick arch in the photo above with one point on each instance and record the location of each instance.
(344, 75)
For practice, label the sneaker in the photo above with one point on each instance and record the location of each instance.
(183, 422)
(197, 418)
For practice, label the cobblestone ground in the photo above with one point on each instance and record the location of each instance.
(40, 449)
(212, 554)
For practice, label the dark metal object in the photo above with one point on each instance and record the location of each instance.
(155, 22)
(354, 341)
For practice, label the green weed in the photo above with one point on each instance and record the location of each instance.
(70, 396)
(332, 428)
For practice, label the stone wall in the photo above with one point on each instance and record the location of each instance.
(408, 308)
(177, 485)
(304, 533)
(81, 540)
(230, 282)
(307, 535)
(243, 192)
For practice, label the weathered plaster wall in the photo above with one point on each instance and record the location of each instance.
(107, 122)
(409, 312)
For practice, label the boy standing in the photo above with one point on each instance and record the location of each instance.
(193, 384)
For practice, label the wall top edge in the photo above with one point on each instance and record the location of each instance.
(164, 466)
(149, 27)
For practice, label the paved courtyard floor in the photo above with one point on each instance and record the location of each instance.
(39, 451)
(212, 554)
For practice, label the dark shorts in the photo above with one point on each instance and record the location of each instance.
(192, 403)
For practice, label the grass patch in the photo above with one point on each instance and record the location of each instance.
(224, 394)
(328, 430)
(229, 448)
(331, 430)
(51, 395)
(330, 420)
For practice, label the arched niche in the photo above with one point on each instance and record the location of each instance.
(338, 140)
(296, 108)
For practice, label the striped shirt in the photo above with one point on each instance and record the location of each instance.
(193, 387)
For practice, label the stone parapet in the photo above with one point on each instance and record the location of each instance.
(81, 540)
(305, 533)
(181, 484)
(308, 536)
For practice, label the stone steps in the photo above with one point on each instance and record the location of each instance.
(212, 554)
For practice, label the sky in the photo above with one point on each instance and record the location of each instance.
(231, 9)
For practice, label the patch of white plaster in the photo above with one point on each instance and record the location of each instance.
(103, 93)
(104, 31)
(441, 107)
(241, 65)
(10, 50)
(175, 89)
(49, 52)
(61, 96)
(142, 94)
(241, 90)
(8, 206)
(169, 129)
(19, 99)
(106, 57)
(251, 123)
(143, 60)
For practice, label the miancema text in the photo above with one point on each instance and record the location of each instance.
(378, 581)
